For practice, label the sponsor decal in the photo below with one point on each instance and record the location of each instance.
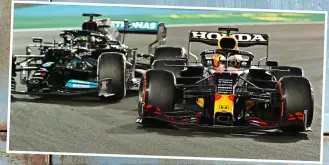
(40, 74)
(35, 81)
(138, 25)
(47, 64)
(223, 107)
(81, 84)
(72, 85)
(217, 35)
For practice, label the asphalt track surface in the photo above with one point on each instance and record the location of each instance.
(87, 126)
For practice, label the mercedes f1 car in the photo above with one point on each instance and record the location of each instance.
(224, 91)
(89, 61)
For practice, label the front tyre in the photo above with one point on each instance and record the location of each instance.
(113, 66)
(296, 96)
(157, 94)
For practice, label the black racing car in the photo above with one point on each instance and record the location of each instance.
(226, 92)
(86, 62)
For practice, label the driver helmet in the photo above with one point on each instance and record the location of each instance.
(217, 60)
(235, 61)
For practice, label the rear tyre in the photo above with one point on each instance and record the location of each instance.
(297, 96)
(157, 90)
(112, 65)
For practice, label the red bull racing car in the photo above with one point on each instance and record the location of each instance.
(225, 89)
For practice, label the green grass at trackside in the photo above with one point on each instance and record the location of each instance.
(62, 22)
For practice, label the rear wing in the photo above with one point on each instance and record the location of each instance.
(143, 27)
(136, 27)
(244, 39)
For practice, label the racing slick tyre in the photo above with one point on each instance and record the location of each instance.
(296, 96)
(168, 53)
(156, 95)
(293, 71)
(112, 65)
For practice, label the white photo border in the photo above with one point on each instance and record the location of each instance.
(170, 7)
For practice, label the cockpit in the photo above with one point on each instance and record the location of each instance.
(222, 61)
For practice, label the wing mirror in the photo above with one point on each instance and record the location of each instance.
(145, 55)
(37, 39)
(28, 50)
(272, 63)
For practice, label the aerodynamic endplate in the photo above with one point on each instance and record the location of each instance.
(105, 88)
(307, 129)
